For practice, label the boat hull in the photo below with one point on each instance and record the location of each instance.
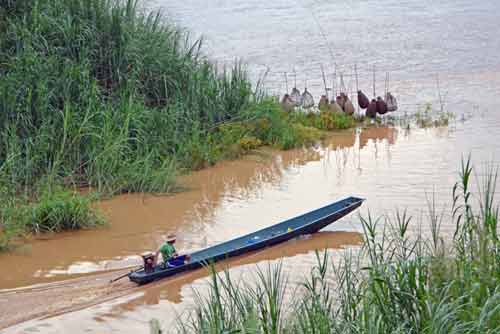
(308, 223)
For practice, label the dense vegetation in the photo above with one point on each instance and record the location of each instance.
(401, 282)
(97, 93)
(55, 210)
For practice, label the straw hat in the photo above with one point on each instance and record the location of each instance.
(170, 238)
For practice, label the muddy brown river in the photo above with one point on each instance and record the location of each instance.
(59, 283)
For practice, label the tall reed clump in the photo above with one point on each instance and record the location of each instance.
(400, 282)
(240, 308)
(98, 93)
(55, 210)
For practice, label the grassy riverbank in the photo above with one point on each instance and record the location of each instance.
(399, 283)
(96, 93)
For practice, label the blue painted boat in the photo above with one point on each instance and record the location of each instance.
(307, 223)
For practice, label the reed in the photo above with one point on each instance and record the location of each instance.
(54, 210)
(398, 282)
(232, 307)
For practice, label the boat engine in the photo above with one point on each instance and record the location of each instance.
(148, 259)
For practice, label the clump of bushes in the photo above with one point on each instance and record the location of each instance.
(265, 123)
(324, 120)
(54, 210)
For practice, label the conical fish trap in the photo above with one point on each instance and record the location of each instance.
(381, 106)
(307, 100)
(348, 107)
(334, 107)
(363, 100)
(286, 103)
(392, 103)
(296, 97)
(371, 111)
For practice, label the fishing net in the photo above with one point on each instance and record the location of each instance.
(363, 100)
(296, 97)
(307, 100)
(287, 103)
(340, 101)
(323, 103)
(334, 107)
(392, 103)
(371, 110)
(348, 107)
(381, 106)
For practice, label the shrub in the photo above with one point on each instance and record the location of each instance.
(55, 210)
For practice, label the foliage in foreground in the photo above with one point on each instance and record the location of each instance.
(400, 283)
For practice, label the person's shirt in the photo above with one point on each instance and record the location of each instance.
(167, 250)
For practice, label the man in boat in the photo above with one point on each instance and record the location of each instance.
(167, 249)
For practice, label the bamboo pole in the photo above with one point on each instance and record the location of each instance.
(324, 80)
(374, 93)
(357, 83)
(335, 84)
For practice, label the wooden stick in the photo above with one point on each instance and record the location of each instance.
(335, 85)
(357, 84)
(356, 74)
(374, 93)
(324, 80)
(386, 83)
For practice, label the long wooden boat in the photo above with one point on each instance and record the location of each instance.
(304, 224)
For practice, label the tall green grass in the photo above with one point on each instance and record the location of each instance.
(400, 282)
(99, 93)
(96, 92)
(54, 210)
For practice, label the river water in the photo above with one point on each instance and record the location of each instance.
(417, 42)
